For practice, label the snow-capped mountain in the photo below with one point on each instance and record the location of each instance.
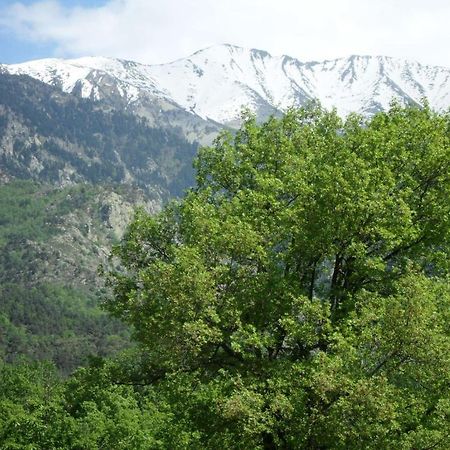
(215, 83)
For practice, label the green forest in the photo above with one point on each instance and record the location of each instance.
(296, 297)
(49, 288)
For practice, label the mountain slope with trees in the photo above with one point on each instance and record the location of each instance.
(52, 241)
(72, 171)
(61, 208)
(296, 298)
(54, 137)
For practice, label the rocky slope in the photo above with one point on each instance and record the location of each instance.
(51, 136)
(52, 240)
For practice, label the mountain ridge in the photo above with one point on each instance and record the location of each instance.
(215, 83)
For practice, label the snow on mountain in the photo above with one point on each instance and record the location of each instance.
(217, 82)
(86, 76)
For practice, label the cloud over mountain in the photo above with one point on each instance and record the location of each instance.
(158, 31)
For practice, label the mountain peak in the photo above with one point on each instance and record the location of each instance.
(217, 81)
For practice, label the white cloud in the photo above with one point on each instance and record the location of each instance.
(154, 31)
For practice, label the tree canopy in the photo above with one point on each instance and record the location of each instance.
(298, 296)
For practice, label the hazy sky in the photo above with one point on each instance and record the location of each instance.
(157, 31)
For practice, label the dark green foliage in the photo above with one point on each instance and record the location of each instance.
(40, 411)
(31, 210)
(60, 132)
(56, 323)
(46, 311)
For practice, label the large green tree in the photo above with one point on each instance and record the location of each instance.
(298, 296)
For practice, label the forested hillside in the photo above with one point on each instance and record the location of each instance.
(54, 137)
(52, 241)
(72, 171)
(297, 298)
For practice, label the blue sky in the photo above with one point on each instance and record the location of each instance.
(157, 31)
(16, 48)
